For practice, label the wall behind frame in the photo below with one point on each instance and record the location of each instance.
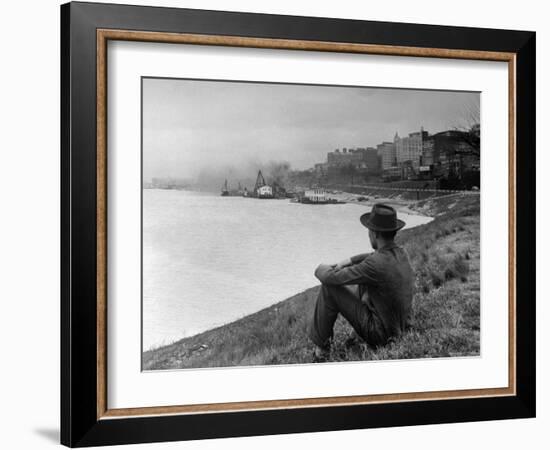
(29, 229)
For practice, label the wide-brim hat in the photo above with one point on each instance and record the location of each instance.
(382, 218)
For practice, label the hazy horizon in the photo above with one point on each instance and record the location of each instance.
(212, 129)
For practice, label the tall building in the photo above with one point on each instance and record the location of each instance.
(430, 153)
(370, 157)
(409, 148)
(386, 150)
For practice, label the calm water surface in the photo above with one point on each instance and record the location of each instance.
(208, 260)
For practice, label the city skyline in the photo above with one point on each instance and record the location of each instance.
(241, 125)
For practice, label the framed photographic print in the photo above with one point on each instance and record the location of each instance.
(277, 224)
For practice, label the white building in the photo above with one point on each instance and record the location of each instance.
(409, 148)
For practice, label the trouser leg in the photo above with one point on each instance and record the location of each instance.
(331, 301)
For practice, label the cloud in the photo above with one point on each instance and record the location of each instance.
(193, 125)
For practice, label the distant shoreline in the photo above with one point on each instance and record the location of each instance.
(400, 203)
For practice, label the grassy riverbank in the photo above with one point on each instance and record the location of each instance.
(445, 256)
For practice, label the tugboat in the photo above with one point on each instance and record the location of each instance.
(261, 188)
(225, 190)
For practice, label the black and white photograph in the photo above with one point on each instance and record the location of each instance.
(297, 224)
(282, 224)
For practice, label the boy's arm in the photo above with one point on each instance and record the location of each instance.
(358, 258)
(360, 273)
(350, 261)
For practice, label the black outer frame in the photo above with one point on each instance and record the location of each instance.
(79, 424)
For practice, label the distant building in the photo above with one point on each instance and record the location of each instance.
(365, 159)
(344, 158)
(410, 148)
(386, 150)
(417, 156)
(370, 156)
(450, 154)
(425, 172)
(321, 168)
(430, 155)
(392, 173)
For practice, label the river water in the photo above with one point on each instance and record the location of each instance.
(208, 260)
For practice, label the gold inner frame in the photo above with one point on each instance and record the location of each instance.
(104, 35)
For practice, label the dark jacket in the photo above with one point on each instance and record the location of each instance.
(386, 281)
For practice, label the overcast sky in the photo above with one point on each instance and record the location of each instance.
(190, 126)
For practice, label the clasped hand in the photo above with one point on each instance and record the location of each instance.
(345, 263)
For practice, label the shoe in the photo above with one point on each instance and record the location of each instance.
(353, 340)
